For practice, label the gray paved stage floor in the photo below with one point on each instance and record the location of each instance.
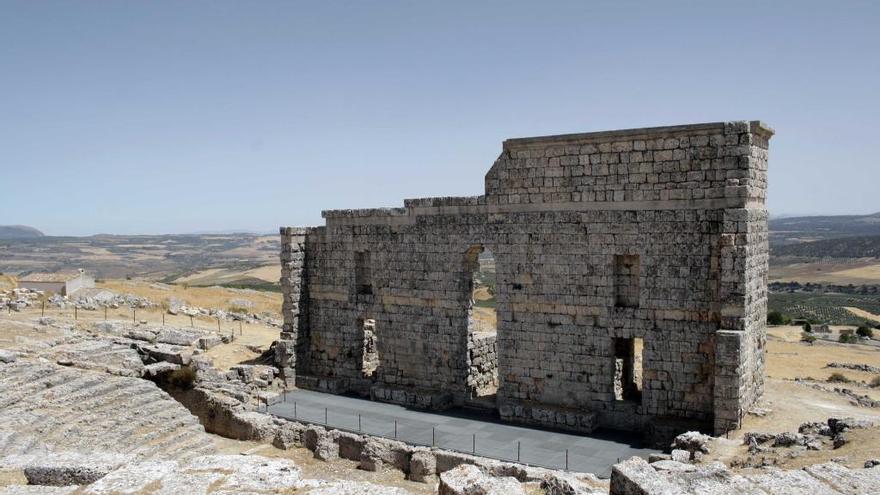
(459, 431)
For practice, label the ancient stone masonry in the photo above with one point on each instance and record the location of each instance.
(631, 284)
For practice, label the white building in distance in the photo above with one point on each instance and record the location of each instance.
(64, 283)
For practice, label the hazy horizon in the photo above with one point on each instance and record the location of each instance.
(179, 117)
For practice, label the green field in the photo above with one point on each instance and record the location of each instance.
(824, 308)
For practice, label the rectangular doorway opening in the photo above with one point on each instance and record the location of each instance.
(628, 369)
(482, 356)
(370, 354)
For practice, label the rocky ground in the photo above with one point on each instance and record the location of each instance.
(121, 406)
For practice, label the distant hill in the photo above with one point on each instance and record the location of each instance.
(841, 247)
(19, 232)
(797, 229)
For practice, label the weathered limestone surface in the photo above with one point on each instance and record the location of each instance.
(657, 234)
(470, 480)
(45, 407)
(637, 477)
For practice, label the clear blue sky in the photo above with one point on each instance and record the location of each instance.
(182, 116)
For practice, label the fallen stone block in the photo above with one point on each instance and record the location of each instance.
(209, 342)
(788, 439)
(160, 368)
(470, 480)
(166, 352)
(177, 336)
(378, 452)
(71, 468)
(290, 435)
(7, 356)
(351, 445)
(558, 483)
(692, 441)
(326, 448)
(680, 455)
(422, 465)
(636, 477)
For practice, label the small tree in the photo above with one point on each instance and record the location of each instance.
(808, 338)
(846, 338)
(838, 378)
(775, 318)
(865, 331)
(807, 327)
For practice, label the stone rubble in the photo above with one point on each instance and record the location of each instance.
(831, 434)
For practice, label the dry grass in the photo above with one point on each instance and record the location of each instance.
(856, 272)
(788, 358)
(8, 282)
(217, 276)
(485, 318)
(237, 352)
(206, 297)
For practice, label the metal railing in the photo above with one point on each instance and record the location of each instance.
(429, 435)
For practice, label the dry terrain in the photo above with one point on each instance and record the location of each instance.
(794, 371)
(206, 297)
(837, 271)
(219, 276)
(19, 331)
(242, 257)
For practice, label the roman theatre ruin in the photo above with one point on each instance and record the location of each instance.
(630, 286)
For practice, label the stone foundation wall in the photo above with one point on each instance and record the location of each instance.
(683, 207)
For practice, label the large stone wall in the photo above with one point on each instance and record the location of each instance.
(657, 234)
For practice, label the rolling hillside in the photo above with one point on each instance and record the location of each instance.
(19, 232)
(793, 230)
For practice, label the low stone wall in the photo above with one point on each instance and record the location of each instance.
(372, 453)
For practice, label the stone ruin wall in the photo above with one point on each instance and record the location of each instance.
(675, 212)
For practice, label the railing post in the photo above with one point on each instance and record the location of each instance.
(325, 415)
(518, 445)
(474, 444)
(359, 423)
(294, 409)
(566, 459)
(395, 429)
(433, 436)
